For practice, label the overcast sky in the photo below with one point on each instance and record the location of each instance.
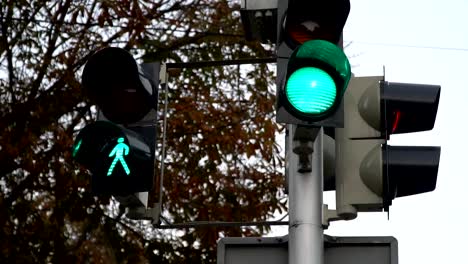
(418, 41)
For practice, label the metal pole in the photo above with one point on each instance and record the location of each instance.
(305, 198)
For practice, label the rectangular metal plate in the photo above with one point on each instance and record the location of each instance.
(274, 250)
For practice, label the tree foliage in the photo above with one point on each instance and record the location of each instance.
(222, 162)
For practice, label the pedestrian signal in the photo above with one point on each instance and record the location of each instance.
(119, 149)
(120, 159)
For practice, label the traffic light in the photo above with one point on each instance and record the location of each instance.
(312, 69)
(119, 148)
(259, 19)
(369, 172)
(313, 19)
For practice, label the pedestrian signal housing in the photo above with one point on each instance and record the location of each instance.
(119, 149)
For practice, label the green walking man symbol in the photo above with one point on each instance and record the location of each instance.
(119, 151)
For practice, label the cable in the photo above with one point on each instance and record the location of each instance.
(409, 46)
(239, 35)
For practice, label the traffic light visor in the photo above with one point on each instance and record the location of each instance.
(111, 79)
(324, 55)
(409, 170)
(409, 107)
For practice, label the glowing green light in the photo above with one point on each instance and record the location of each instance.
(311, 90)
(76, 148)
(119, 151)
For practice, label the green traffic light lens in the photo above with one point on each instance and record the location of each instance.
(76, 148)
(311, 90)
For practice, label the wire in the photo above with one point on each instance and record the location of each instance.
(239, 35)
(409, 46)
(283, 217)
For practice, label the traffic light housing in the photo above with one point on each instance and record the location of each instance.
(314, 19)
(119, 149)
(312, 69)
(369, 172)
(119, 87)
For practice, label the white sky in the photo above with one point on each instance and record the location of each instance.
(418, 41)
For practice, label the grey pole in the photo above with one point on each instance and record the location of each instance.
(304, 145)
